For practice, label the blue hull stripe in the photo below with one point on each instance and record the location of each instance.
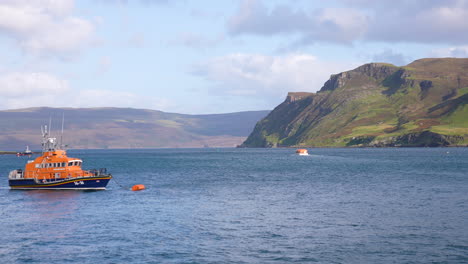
(98, 182)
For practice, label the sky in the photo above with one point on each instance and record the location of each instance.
(204, 56)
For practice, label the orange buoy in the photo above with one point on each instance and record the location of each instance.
(138, 187)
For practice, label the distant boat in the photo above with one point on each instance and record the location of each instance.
(55, 170)
(27, 152)
(302, 152)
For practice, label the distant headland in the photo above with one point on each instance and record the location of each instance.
(422, 104)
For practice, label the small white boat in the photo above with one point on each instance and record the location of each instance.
(302, 152)
(27, 152)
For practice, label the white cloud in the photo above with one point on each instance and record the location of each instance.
(34, 89)
(458, 52)
(204, 13)
(105, 63)
(45, 27)
(141, 1)
(390, 56)
(359, 20)
(341, 25)
(108, 98)
(253, 17)
(267, 76)
(137, 40)
(424, 24)
(22, 89)
(196, 41)
(21, 85)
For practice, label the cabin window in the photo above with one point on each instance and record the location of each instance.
(76, 163)
(64, 164)
(70, 163)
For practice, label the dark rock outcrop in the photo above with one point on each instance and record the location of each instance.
(420, 139)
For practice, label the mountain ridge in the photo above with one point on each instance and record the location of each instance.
(113, 127)
(376, 104)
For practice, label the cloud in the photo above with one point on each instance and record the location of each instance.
(253, 17)
(137, 40)
(104, 64)
(141, 1)
(341, 25)
(203, 13)
(20, 89)
(34, 89)
(267, 77)
(358, 20)
(457, 52)
(108, 98)
(19, 84)
(420, 22)
(44, 27)
(196, 41)
(389, 56)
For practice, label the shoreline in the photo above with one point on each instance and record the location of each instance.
(238, 147)
(8, 152)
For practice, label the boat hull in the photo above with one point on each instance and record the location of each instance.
(83, 183)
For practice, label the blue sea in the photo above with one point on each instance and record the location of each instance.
(389, 205)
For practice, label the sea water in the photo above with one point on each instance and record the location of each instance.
(389, 205)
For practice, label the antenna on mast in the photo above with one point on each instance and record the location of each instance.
(45, 135)
(61, 135)
(50, 124)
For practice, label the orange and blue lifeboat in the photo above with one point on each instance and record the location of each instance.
(55, 170)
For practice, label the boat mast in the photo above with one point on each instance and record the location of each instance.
(61, 135)
(48, 143)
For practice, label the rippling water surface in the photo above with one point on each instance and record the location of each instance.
(247, 206)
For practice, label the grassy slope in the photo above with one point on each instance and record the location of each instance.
(370, 107)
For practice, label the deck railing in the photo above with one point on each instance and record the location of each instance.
(16, 174)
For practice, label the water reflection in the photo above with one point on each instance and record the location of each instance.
(50, 209)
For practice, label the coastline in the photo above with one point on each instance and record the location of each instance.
(8, 152)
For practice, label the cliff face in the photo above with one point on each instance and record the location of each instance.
(377, 104)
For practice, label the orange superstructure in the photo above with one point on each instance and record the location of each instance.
(55, 165)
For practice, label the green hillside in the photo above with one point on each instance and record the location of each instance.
(377, 104)
(125, 128)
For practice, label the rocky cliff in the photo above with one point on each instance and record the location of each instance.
(376, 104)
